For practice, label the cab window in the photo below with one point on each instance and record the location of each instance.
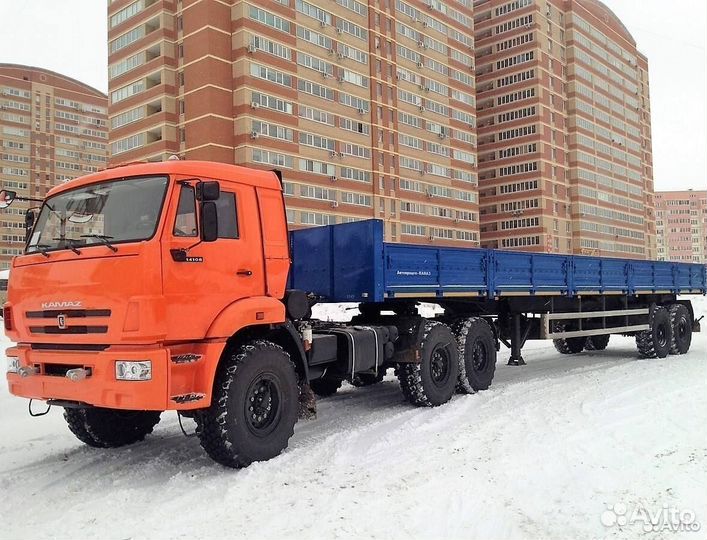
(185, 222)
(227, 217)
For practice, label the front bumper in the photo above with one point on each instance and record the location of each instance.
(176, 383)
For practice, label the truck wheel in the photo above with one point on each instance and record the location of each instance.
(368, 379)
(432, 382)
(655, 342)
(571, 345)
(597, 343)
(110, 428)
(325, 386)
(681, 323)
(254, 407)
(477, 354)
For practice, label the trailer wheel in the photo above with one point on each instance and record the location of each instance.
(681, 323)
(573, 345)
(432, 382)
(368, 379)
(597, 343)
(655, 342)
(325, 386)
(110, 428)
(254, 406)
(477, 354)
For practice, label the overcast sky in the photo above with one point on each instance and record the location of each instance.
(69, 36)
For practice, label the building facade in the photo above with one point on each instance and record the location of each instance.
(52, 129)
(368, 108)
(681, 223)
(565, 162)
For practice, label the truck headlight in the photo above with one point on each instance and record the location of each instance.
(13, 364)
(140, 370)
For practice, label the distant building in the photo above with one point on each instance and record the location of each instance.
(681, 222)
(565, 163)
(52, 129)
(367, 107)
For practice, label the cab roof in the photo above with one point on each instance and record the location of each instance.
(208, 170)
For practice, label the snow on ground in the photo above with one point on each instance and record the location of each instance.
(543, 453)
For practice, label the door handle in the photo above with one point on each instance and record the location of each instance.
(244, 273)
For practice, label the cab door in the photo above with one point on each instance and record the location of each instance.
(203, 278)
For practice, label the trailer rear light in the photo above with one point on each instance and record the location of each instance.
(7, 317)
(13, 364)
(140, 370)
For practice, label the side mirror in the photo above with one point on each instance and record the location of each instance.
(7, 198)
(209, 222)
(208, 191)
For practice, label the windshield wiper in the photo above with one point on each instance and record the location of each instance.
(70, 242)
(103, 238)
(42, 248)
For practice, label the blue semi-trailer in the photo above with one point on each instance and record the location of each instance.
(490, 297)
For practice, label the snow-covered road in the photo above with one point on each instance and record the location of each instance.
(543, 453)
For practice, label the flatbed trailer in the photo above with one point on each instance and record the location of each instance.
(572, 296)
(176, 286)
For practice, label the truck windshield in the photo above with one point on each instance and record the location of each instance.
(106, 213)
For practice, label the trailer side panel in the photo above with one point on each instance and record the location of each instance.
(351, 263)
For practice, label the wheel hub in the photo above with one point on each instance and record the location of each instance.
(479, 357)
(682, 329)
(440, 366)
(262, 407)
(661, 335)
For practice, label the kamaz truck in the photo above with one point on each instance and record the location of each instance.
(177, 286)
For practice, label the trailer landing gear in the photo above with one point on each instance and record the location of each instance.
(517, 341)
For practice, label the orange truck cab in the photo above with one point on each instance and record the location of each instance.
(139, 289)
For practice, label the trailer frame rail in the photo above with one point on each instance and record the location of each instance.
(546, 331)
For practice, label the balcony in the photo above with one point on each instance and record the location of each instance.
(484, 88)
(483, 35)
(483, 70)
(152, 80)
(154, 107)
(482, 17)
(153, 135)
(484, 104)
(484, 52)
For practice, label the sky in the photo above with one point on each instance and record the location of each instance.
(69, 36)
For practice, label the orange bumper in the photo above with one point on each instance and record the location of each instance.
(181, 376)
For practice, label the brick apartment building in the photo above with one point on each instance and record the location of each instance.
(370, 109)
(52, 129)
(681, 223)
(367, 107)
(565, 162)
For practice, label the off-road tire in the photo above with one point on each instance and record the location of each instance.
(325, 386)
(572, 345)
(433, 380)
(655, 342)
(681, 323)
(477, 354)
(110, 428)
(254, 406)
(597, 343)
(368, 379)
